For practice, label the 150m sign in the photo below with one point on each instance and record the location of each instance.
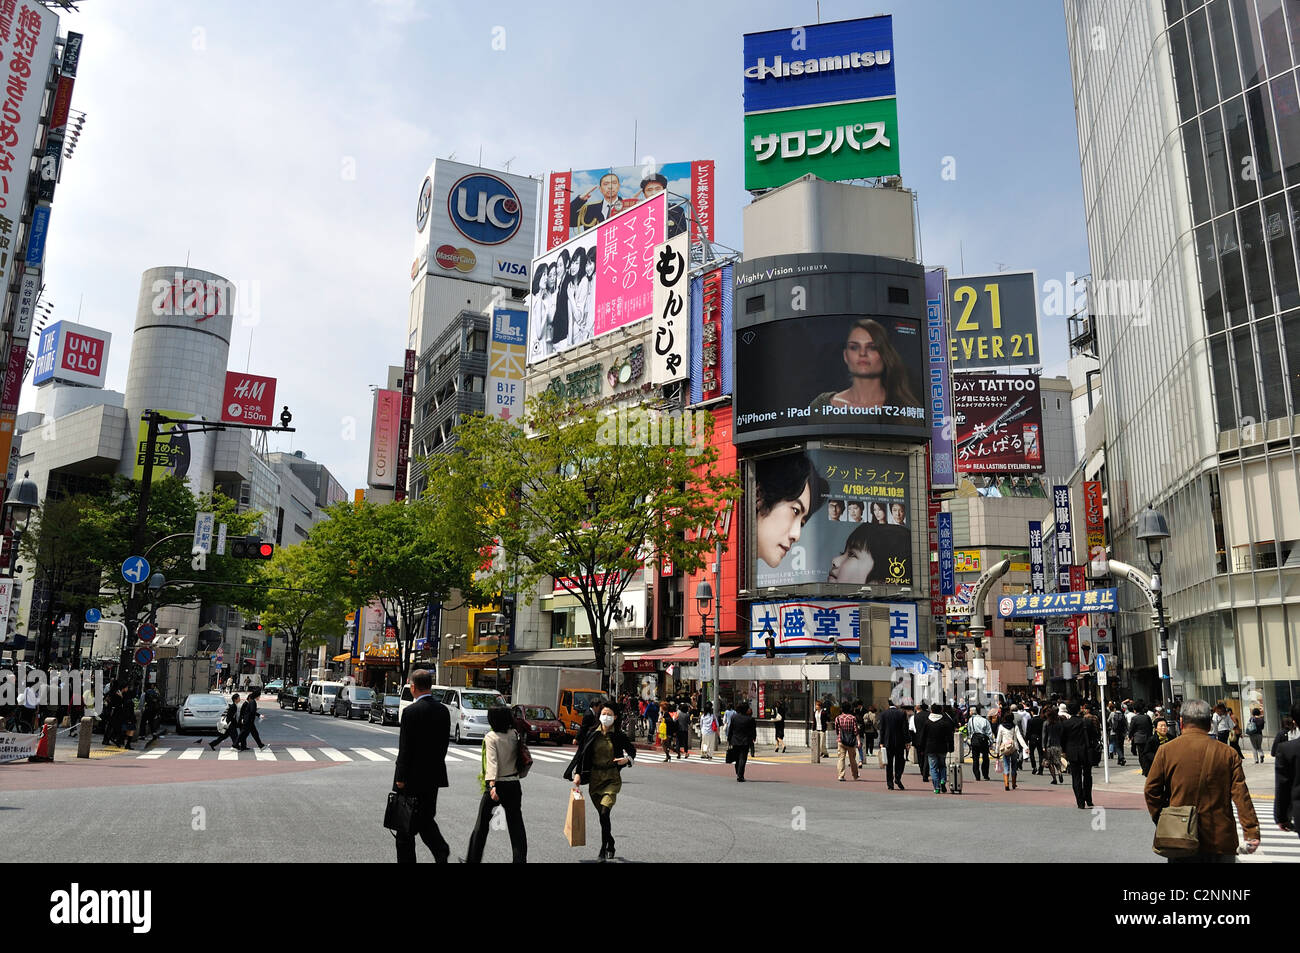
(994, 320)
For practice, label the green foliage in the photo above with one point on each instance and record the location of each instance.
(305, 619)
(564, 499)
(396, 553)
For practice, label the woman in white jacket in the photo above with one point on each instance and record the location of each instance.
(1010, 745)
(500, 787)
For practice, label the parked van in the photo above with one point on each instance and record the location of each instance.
(320, 698)
(437, 692)
(469, 711)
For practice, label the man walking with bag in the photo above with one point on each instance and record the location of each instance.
(1078, 738)
(893, 738)
(1195, 771)
(846, 737)
(232, 726)
(421, 767)
(981, 742)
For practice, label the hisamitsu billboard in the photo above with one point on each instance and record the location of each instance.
(821, 63)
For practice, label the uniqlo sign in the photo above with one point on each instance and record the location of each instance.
(248, 399)
(71, 352)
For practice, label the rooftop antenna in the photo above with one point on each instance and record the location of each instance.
(634, 142)
(80, 302)
(508, 161)
(480, 156)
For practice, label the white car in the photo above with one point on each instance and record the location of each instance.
(200, 713)
(320, 697)
(469, 711)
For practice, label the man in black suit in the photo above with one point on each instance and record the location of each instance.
(584, 216)
(421, 767)
(1034, 738)
(920, 721)
(1286, 772)
(249, 716)
(1078, 738)
(232, 725)
(893, 738)
(1140, 730)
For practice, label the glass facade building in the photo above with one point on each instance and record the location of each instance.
(1189, 138)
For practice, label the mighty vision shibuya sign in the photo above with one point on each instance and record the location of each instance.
(820, 99)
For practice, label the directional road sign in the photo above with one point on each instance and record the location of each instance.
(135, 570)
(1101, 663)
(93, 615)
(144, 655)
(146, 632)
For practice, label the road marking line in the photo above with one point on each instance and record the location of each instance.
(157, 754)
(293, 726)
(467, 755)
(334, 754)
(265, 754)
(318, 738)
(191, 754)
(550, 756)
(392, 751)
(298, 754)
(369, 755)
(227, 754)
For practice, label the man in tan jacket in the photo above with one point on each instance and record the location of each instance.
(1176, 777)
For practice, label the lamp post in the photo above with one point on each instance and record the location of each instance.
(704, 602)
(17, 508)
(1153, 530)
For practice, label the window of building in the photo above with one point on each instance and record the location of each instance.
(1291, 341)
(1259, 289)
(1173, 10)
(1222, 373)
(1268, 163)
(1249, 47)
(1183, 72)
(1277, 54)
(1286, 110)
(476, 341)
(1243, 361)
(1198, 38)
(1212, 295)
(1270, 369)
(1217, 163)
(1234, 283)
(1195, 156)
(1240, 154)
(1286, 293)
(1225, 51)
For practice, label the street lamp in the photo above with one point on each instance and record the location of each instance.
(704, 600)
(23, 498)
(1153, 530)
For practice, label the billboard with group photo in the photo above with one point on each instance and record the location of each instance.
(831, 516)
(578, 201)
(596, 283)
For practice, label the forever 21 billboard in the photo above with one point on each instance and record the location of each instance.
(829, 345)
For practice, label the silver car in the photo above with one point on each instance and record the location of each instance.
(469, 710)
(200, 713)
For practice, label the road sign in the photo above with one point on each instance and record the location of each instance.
(144, 655)
(1101, 678)
(1101, 663)
(93, 615)
(221, 653)
(146, 632)
(135, 570)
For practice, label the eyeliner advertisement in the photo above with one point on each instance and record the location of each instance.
(999, 423)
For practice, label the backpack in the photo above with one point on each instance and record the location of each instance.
(1009, 748)
(1255, 726)
(849, 737)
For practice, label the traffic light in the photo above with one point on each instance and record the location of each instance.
(253, 625)
(251, 547)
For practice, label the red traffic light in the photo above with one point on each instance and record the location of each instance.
(266, 550)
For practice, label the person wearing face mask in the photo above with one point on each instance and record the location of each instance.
(599, 764)
(788, 492)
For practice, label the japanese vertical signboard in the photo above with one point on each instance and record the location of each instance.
(1094, 519)
(672, 313)
(507, 352)
(27, 32)
(711, 337)
(943, 474)
(933, 509)
(947, 570)
(820, 99)
(1037, 572)
(1064, 538)
(404, 425)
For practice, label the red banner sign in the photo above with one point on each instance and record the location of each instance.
(13, 381)
(1094, 519)
(711, 337)
(1078, 579)
(248, 399)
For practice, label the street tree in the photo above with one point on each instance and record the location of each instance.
(56, 546)
(566, 494)
(398, 554)
(306, 617)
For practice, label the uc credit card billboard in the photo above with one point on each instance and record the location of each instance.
(820, 99)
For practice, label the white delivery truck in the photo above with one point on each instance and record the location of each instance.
(568, 692)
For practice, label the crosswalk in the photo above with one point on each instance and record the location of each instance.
(332, 755)
(1275, 846)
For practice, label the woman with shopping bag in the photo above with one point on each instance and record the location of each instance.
(599, 764)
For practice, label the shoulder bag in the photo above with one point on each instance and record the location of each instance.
(524, 757)
(1178, 828)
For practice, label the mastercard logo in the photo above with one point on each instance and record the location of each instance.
(461, 259)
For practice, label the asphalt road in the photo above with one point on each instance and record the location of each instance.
(318, 794)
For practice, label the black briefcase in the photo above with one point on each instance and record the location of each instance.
(400, 815)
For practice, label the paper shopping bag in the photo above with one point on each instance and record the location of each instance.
(575, 820)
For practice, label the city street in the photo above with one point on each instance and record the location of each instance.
(318, 793)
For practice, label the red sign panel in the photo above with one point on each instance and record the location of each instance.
(248, 399)
(62, 103)
(13, 381)
(404, 426)
(1078, 579)
(1072, 642)
(1094, 519)
(711, 337)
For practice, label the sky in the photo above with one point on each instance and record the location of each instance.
(282, 143)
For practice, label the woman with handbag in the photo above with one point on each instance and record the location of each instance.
(779, 720)
(1052, 745)
(1011, 745)
(599, 765)
(1255, 732)
(667, 734)
(500, 785)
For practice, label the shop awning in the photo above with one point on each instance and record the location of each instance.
(377, 661)
(346, 656)
(475, 662)
(911, 661)
(585, 657)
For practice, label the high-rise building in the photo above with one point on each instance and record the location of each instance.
(1189, 142)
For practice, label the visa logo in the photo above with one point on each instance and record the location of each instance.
(511, 269)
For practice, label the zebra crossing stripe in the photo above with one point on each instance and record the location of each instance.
(392, 751)
(298, 754)
(334, 754)
(192, 754)
(227, 754)
(265, 754)
(369, 755)
(156, 754)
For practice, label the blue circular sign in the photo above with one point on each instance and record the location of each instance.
(135, 570)
(93, 615)
(146, 632)
(1101, 663)
(144, 656)
(485, 209)
(922, 666)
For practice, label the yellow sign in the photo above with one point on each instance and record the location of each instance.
(172, 450)
(966, 560)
